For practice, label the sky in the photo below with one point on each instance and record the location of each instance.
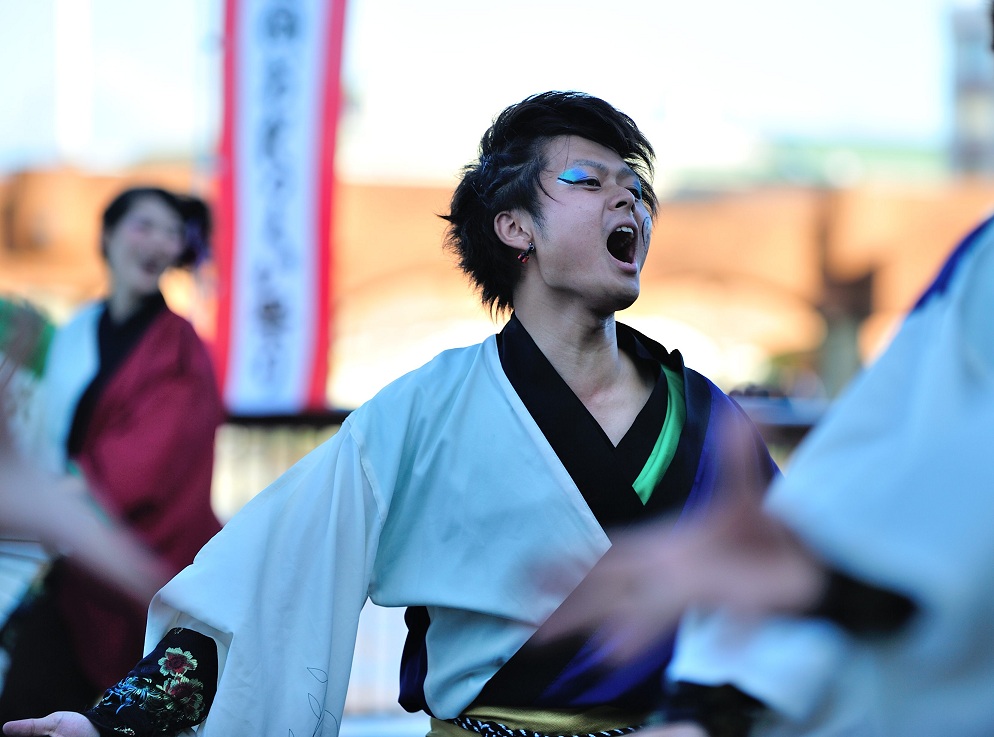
(104, 83)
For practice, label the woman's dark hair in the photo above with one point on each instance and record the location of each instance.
(193, 213)
(506, 177)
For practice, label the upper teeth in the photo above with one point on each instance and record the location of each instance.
(624, 229)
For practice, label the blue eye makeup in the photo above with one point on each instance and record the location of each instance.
(577, 176)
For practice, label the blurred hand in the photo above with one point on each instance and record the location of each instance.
(38, 505)
(59, 724)
(735, 556)
(57, 510)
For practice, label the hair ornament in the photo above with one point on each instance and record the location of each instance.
(193, 239)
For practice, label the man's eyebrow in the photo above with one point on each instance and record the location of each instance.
(602, 168)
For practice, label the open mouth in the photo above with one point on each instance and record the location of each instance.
(152, 267)
(622, 242)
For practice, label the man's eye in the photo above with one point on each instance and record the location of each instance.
(637, 191)
(583, 181)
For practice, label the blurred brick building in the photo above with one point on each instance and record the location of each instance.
(789, 271)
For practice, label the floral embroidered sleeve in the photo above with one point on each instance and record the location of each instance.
(172, 689)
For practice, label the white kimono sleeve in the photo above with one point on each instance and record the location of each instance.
(280, 588)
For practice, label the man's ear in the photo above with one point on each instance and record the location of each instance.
(514, 229)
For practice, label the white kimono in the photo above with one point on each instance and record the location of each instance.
(414, 469)
(74, 360)
(896, 488)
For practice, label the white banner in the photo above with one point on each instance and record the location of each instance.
(276, 174)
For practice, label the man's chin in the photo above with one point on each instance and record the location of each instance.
(618, 305)
(626, 301)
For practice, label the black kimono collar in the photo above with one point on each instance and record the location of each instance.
(115, 342)
(602, 472)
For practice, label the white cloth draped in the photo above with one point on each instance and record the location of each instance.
(895, 487)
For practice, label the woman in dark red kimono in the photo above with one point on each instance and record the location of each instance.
(132, 407)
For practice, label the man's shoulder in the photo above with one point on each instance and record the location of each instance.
(432, 381)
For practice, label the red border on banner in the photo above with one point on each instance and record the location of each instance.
(225, 209)
(317, 395)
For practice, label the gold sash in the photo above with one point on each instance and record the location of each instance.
(543, 721)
